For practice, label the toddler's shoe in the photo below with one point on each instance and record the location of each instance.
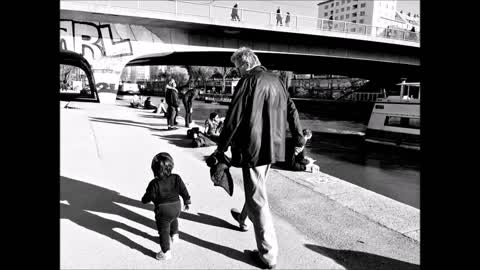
(164, 256)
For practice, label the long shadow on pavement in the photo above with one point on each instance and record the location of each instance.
(208, 220)
(177, 140)
(361, 260)
(84, 197)
(128, 123)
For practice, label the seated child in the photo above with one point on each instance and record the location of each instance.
(213, 126)
(294, 157)
(164, 191)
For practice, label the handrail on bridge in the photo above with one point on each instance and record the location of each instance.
(296, 21)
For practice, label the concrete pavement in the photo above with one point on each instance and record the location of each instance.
(321, 222)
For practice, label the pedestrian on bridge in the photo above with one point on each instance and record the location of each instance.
(287, 19)
(279, 17)
(235, 13)
(255, 128)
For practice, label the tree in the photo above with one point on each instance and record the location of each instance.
(178, 73)
(201, 73)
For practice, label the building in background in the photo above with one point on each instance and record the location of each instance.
(378, 13)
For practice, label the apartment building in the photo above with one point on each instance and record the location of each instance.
(379, 13)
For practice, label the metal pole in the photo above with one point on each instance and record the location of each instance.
(345, 28)
(210, 11)
(241, 14)
(296, 22)
(270, 19)
(176, 7)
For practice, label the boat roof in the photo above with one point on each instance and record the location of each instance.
(410, 83)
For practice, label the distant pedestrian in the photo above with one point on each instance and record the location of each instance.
(164, 192)
(413, 36)
(279, 17)
(171, 96)
(330, 22)
(235, 13)
(287, 19)
(187, 99)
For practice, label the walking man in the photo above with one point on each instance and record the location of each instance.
(255, 128)
(187, 99)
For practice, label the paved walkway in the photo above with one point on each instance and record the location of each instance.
(321, 222)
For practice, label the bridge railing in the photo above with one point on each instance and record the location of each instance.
(248, 17)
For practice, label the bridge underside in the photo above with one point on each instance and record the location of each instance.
(308, 64)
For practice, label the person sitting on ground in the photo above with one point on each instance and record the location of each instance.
(135, 102)
(295, 159)
(161, 107)
(148, 105)
(213, 126)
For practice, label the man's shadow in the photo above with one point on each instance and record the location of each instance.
(84, 197)
(360, 260)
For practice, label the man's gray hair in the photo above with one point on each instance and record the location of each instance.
(245, 55)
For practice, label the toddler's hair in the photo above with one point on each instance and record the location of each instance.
(213, 115)
(162, 165)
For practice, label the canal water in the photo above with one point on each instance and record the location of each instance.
(338, 147)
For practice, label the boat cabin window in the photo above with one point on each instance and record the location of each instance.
(404, 122)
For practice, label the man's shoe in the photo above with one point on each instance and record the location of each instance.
(236, 215)
(164, 256)
(255, 255)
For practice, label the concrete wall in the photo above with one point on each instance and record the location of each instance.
(108, 47)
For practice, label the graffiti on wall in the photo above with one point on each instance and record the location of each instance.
(91, 40)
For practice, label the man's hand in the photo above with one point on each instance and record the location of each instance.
(186, 207)
(191, 110)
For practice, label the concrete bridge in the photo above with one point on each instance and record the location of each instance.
(111, 37)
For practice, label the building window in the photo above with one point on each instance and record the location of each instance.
(325, 14)
(331, 5)
(364, 5)
(355, 6)
(354, 14)
(348, 8)
(341, 17)
(336, 4)
(354, 21)
(331, 11)
(348, 1)
(361, 21)
(343, 9)
(326, 6)
(347, 16)
(343, 2)
(362, 13)
(336, 17)
(336, 10)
